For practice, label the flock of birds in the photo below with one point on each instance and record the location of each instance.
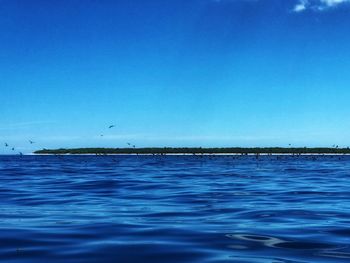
(112, 126)
(131, 145)
(14, 149)
(7, 145)
(109, 127)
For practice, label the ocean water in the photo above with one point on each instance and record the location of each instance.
(174, 209)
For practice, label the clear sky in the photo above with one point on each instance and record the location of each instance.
(174, 73)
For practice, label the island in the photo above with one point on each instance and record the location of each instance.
(198, 150)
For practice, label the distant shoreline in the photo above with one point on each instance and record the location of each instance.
(196, 151)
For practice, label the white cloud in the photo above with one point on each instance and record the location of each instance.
(317, 5)
(333, 2)
(301, 6)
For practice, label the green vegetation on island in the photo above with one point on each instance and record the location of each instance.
(198, 150)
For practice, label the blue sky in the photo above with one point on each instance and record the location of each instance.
(174, 73)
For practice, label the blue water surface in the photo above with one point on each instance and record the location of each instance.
(174, 209)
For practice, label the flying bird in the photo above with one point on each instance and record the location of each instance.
(111, 126)
(101, 135)
(12, 148)
(129, 143)
(31, 142)
(6, 145)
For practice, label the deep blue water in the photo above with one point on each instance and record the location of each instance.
(174, 209)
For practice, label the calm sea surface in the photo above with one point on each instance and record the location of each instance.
(174, 209)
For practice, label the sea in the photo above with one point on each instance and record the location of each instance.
(160, 209)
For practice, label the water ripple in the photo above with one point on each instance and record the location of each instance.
(174, 209)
